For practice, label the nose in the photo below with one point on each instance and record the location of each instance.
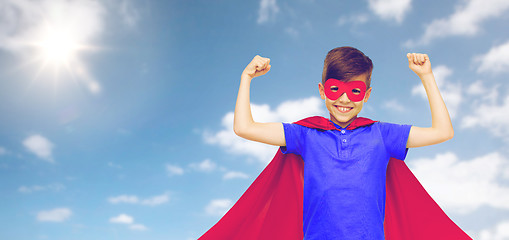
(344, 98)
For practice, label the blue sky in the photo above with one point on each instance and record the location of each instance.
(117, 114)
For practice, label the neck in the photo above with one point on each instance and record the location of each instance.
(342, 124)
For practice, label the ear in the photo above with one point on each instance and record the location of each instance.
(368, 93)
(321, 90)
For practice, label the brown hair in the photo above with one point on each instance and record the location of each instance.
(344, 63)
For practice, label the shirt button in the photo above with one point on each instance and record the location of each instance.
(344, 140)
(343, 131)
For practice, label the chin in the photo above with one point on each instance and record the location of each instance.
(342, 119)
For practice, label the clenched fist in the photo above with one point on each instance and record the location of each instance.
(419, 63)
(257, 67)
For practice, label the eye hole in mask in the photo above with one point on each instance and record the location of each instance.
(355, 90)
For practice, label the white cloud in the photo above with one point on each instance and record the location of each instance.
(485, 101)
(450, 91)
(394, 105)
(495, 61)
(465, 21)
(173, 170)
(206, 165)
(498, 232)
(124, 132)
(464, 185)
(133, 199)
(3, 151)
(123, 219)
(23, 20)
(288, 111)
(25, 26)
(218, 207)
(113, 165)
(268, 10)
(36, 188)
(123, 199)
(477, 89)
(54, 215)
(390, 9)
(292, 110)
(40, 146)
(354, 19)
(292, 31)
(233, 174)
(128, 220)
(138, 227)
(156, 200)
(129, 13)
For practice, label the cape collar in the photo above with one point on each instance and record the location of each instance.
(322, 123)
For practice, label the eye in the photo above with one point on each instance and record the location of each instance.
(356, 91)
(334, 89)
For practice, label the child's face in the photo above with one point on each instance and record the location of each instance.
(342, 110)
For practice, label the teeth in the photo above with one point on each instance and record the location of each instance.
(343, 109)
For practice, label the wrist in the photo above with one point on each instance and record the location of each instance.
(424, 76)
(245, 77)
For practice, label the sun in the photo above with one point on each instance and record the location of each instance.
(57, 53)
(56, 42)
(57, 47)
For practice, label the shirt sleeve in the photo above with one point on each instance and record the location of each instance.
(294, 138)
(395, 137)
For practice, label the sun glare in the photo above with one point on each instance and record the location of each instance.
(55, 40)
(57, 52)
(58, 48)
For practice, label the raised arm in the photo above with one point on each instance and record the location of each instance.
(441, 127)
(243, 123)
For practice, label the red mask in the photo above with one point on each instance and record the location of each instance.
(355, 90)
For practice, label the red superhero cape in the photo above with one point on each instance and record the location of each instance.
(271, 208)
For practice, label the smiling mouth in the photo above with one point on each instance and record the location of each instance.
(343, 109)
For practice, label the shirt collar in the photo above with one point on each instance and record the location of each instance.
(322, 123)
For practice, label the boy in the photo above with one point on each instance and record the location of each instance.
(345, 157)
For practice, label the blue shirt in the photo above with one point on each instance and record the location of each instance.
(344, 177)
